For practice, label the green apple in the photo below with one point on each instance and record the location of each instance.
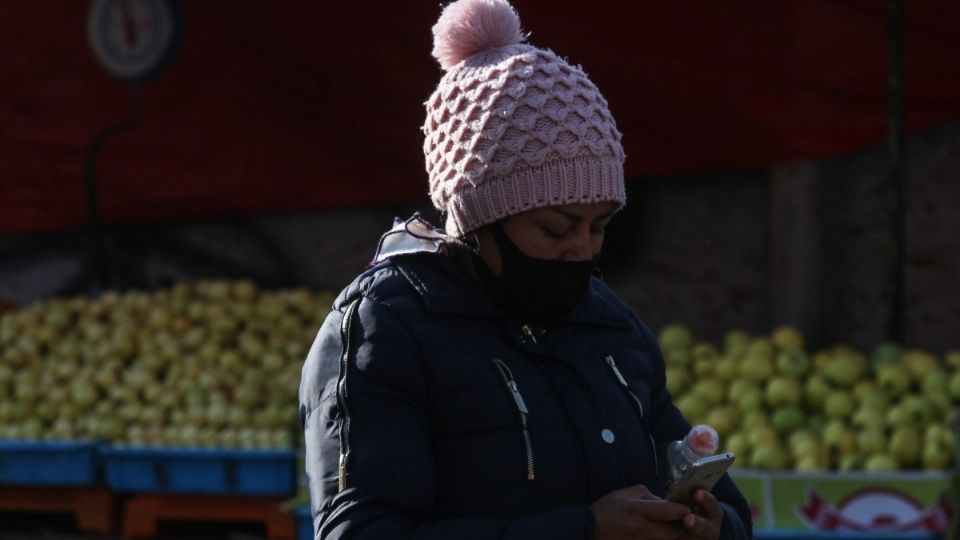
(703, 350)
(839, 439)
(735, 343)
(898, 415)
(271, 361)
(693, 407)
(850, 462)
(918, 408)
(800, 437)
(723, 419)
(678, 380)
(725, 368)
(941, 405)
(782, 391)
(793, 363)
(244, 290)
(815, 392)
(739, 386)
(769, 455)
(844, 369)
(866, 417)
(703, 368)
(236, 417)
(46, 411)
(895, 380)
(674, 357)
(811, 448)
(760, 348)
(787, 338)
(676, 335)
(920, 363)
(871, 440)
(938, 433)
(905, 446)
(738, 443)
(863, 387)
(953, 385)
(788, 418)
(711, 391)
(762, 434)
(83, 394)
(880, 463)
(952, 360)
(809, 463)
(755, 419)
(875, 399)
(939, 447)
(935, 382)
(839, 405)
(31, 429)
(756, 368)
(749, 399)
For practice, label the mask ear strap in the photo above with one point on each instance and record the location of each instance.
(472, 242)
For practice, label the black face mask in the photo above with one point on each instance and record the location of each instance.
(534, 289)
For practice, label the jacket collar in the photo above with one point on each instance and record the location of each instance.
(422, 254)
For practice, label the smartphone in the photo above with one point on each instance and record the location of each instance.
(701, 474)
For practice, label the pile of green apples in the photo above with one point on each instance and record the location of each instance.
(206, 364)
(779, 407)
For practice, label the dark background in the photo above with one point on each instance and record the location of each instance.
(285, 136)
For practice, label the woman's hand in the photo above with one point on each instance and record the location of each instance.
(636, 514)
(705, 523)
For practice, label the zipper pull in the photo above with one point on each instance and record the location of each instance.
(342, 471)
(623, 383)
(616, 371)
(517, 397)
(511, 385)
(529, 333)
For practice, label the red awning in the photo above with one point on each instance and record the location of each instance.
(300, 105)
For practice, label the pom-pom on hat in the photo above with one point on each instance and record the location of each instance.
(512, 127)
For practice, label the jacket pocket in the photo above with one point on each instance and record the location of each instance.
(344, 416)
(511, 385)
(622, 382)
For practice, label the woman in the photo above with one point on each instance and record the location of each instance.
(478, 382)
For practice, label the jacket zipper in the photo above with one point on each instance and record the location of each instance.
(345, 325)
(508, 379)
(623, 383)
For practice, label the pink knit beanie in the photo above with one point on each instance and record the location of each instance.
(512, 127)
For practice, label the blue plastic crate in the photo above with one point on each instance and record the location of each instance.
(304, 523)
(181, 470)
(32, 463)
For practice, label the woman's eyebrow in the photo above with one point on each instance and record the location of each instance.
(575, 218)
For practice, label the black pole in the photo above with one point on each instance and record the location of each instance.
(101, 260)
(895, 183)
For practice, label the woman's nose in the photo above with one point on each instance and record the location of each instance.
(580, 248)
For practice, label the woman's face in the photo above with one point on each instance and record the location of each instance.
(571, 232)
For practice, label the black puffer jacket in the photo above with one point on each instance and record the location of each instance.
(429, 415)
